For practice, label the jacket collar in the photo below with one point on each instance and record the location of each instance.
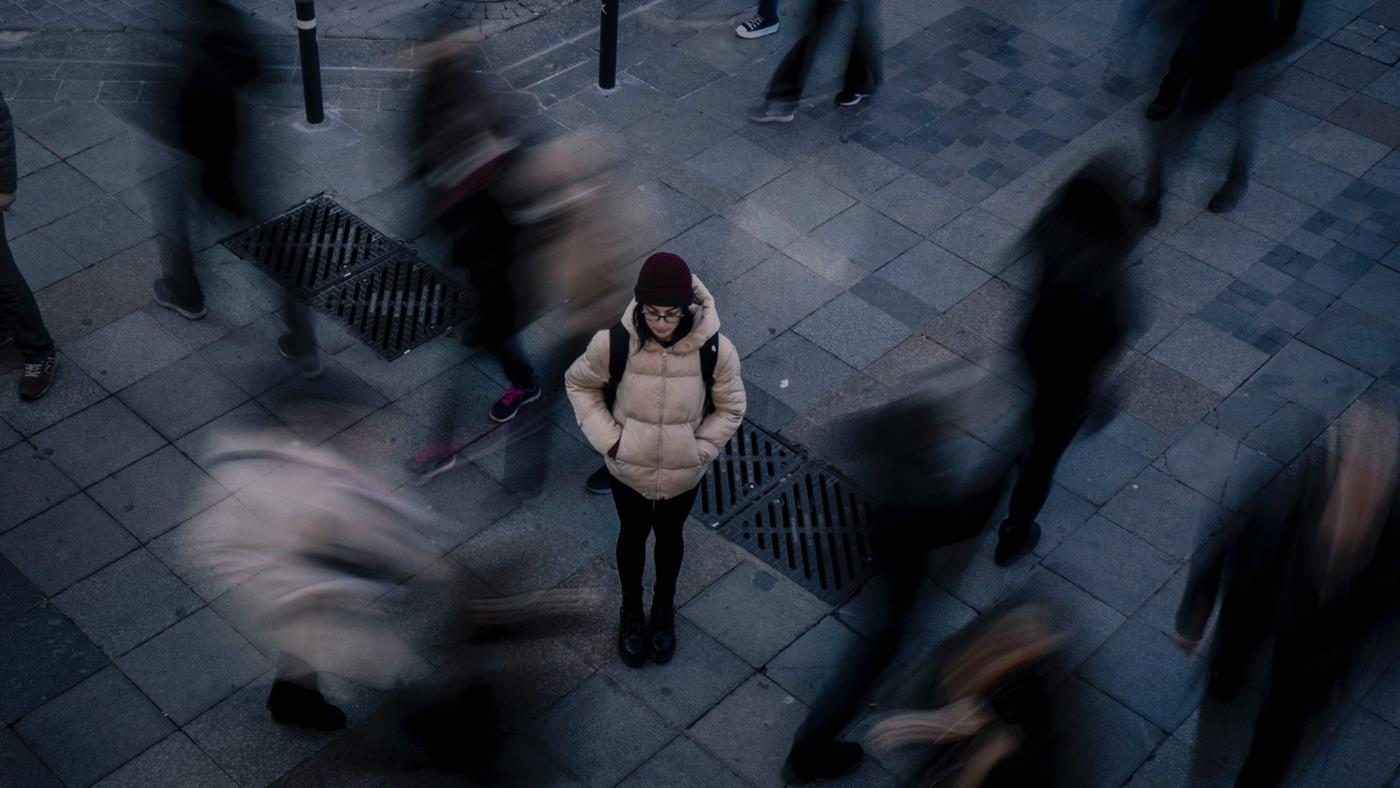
(703, 308)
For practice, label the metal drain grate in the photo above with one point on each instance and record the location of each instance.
(396, 305)
(814, 528)
(750, 465)
(315, 244)
(346, 269)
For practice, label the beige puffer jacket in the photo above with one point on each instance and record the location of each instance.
(666, 440)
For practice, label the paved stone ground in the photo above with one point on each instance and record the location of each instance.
(849, 252)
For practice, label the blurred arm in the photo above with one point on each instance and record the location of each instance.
(730, 401)
(584, 382)
(1203, 586)
(9, 165)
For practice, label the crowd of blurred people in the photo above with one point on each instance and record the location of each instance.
(1306, 573)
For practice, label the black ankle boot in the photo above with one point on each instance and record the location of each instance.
(631, 638)
(837, 760)
(663, 634)
(294, 704)
(1014, 541)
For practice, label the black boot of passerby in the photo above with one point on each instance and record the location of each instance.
(1230, 193)
(294, 704)
(632, 635)
(599, 482)
(830, 762)
(1014, 541)
(663, 634)
(37, 375)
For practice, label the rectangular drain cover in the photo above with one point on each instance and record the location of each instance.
(813, 527)
(344, 268)
(750, 465)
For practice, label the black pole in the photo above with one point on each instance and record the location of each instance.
(310, 60)
(607, 47)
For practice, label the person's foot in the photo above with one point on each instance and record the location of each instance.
(663, 634)
(599, 482)
(162, 294)
(513, 400)
(631, 637)
(774, 112)
(431, 460)
(1014, 542)
(1229, 195)
(836, 760)
(850, 98)
(472, 336)
(37, 375)
(293, 704)
(308, 363)
(757, 26)
(1161, 106)
(1149, 211)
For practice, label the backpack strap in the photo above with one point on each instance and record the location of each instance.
(709, 357)
(618, 344)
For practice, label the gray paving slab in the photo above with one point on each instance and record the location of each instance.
(94, 728)
(33, 484)
(865, 237)
(127, 602)
(46, 654)
(157, 493)
(97, 231)
(1178, 278)
(853, 330)
(766, 711)
(600, 733)
(917, 204)
(73, 128)
(805, 667)
(72, 390)
(126, 350)
(65, 544)
(183, 397)
(854, 169)
(48, 195)
(318, 409)
(1362, 752)
(682, 764)
(702, 673)
(1112, 743)
(1375, 293)
(172, 763)
(775, 611)
(97, 442)
(41, 261)
(982, 239)
(936, 616)
(1088, 621)
(1165, 513)
(796, 372)
(19, 764)
(193, 665)
(1124, 582)
(17, 594)
(801, 200)
(1286, 432)
(1209, 356)
(1217, 466)
(123, 161)
(188, 549)
(1141, 668)
(1312, 379)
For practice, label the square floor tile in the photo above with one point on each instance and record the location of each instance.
(1312, 379)
(681, 764)
(1217, 466)
(98, 231)
(97, 442)
(801, 200)
(854, 169)
(157, 493)
(65, 544)
(188, 549)
(1088, 621)
(45, 654)
(1209, 356)
(935, 617)
(122, 161)
(184, 396)
(1376, 293)
(1166, 513)
(1096, 467)
(737, 164)
(917, 204)
(865, 237)
(174, 762)
(21, 766)
(796, 372)
(982, 239)
(127, 602)
(769, 717)
(1112, 742)
(754, 612)
(1112, 564)
(933, 275)
(1141, 668)
(74, 128)
(72, 391)
(126, 351)
(600, 733)
(31, 482)
(853, 330)
(94, 728)
(193, 665)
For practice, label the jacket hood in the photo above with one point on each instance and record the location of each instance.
(702, 308)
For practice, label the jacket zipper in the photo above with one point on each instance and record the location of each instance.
(660, 433)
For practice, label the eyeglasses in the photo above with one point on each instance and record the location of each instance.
(655, 316)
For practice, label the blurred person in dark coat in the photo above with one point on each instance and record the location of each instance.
(1315, 565)
(863, 73)
(1219, 41)
(1075, 329)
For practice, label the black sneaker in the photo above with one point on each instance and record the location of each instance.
(512, 401)
(774, 112)
(837, 760)
(1012, 543)
(293, 704)
(850, 98)
(631, 637)
(757, 26)
(6, 339)
(37, 375)
(663, 635)
(1229, 195)
(310, 363)
(160, 291)
(599, 482)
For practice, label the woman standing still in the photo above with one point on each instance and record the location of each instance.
(663, 428)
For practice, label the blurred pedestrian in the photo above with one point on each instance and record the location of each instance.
(676, 399)
(1075, 328)
(20, 321)
(1315, 567)
(223, 60)
(920, 507)
(763, 23)
(862, 77)
(1219, 40)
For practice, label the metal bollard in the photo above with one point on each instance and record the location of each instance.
(607, 47)
(310, 61)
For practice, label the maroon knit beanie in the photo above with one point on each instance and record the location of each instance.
(664, 281)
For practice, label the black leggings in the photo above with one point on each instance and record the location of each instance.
(639, 517)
